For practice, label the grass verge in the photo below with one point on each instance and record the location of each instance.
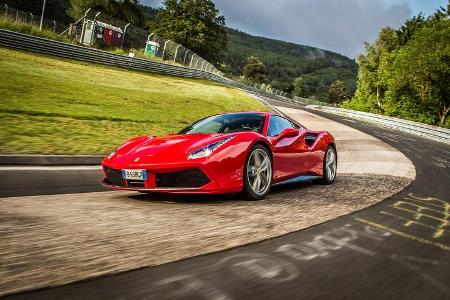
(59, 106)
(6, 23)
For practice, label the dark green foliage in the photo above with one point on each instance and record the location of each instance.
(406, 73)
(286, 61)
(150, 14)
(337, 92)
(315, 84)
(407, 30)
(124, 10)
(421, 75)
(54, 10)
(254, 70)
(196, 24)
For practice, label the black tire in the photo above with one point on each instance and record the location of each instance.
(265, 176)
(329, 175)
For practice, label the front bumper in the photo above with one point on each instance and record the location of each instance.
(203, 190)
(183, 178)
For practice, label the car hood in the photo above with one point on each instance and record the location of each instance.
(173, 148)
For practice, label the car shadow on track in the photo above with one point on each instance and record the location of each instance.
(277, 190)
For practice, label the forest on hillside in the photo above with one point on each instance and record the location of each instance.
(284, 62)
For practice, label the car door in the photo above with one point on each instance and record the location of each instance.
(290, 154)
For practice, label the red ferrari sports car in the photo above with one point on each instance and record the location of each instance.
(227, 153)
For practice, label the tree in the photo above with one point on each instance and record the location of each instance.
(337, 92)
(299, 87)
(126, 10)
(371, 84)
(254, 70)
(130, 11)
(408, 29)
(405, 73)
(196, 24)
(413, 25)
(420, 75)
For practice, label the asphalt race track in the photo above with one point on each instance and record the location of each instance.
(399, 248)
(53, 240)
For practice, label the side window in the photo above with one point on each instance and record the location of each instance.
(277, 125)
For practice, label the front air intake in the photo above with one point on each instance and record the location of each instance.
(114, 177)
(192, 178)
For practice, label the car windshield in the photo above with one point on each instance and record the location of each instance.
(227, 123)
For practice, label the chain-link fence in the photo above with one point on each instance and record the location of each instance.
(18, 16)
(172, 51)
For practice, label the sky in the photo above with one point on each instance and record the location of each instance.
(341, 26)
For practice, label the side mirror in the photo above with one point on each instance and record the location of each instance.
(287, 133)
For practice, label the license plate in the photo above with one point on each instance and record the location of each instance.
(134, 174)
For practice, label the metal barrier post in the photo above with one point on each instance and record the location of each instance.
(94, 24)
(42, 15)
(82, 18)
(176, 52)
(54, 26)
(123, 37)
(96, 15)
(185, 55)
(164, 50)
(192, 58)
(149, 36)
(148, 40)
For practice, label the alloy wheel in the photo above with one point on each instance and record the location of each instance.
(330, 164)
(259, 171)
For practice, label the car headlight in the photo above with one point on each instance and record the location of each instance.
(112, 153)
(209, 149)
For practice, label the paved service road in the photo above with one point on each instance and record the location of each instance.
(399, 248)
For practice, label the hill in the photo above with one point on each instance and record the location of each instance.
(286, 61)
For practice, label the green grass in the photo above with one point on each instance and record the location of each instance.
(6, 23)
(50, 105)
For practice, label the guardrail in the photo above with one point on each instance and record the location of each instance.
(45, 46)
(427, 131)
